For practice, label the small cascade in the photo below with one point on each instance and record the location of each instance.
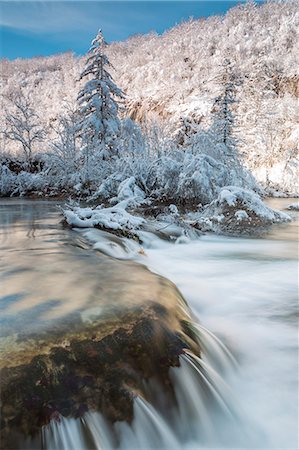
(204, 411)
(101, 354)
(63, 434)
(149, 429)
(96, 427)
(214, 351)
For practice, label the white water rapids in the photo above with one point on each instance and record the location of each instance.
(246, 292)
(243, 394)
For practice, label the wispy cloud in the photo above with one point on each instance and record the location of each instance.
(53, 16)
(45, 27)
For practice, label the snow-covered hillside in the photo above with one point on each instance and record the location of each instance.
(179, 81)
(178, 76)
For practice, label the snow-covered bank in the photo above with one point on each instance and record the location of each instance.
(235, 211)
(294, 206)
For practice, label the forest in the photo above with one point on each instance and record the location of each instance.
(173, 118)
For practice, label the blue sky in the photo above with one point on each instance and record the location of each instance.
(33, 28)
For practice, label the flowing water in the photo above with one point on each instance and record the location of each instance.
(246, 292)
(242, 393)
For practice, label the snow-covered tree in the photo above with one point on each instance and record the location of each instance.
(223, 118)
(65, 145)
(173, 79)
(98, 101)
(131, 139)
(22, 125)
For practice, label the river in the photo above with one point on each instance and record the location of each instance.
(244, 291)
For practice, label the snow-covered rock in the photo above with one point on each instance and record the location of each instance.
(240, 215)
(237, 211)
(115, 219)
(294, 206)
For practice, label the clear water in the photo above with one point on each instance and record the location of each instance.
(245, 291)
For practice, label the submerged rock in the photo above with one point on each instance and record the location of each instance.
(96, 359)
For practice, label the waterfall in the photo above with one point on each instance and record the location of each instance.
(204, 412)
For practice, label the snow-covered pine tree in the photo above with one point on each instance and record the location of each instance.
(99, 122)
(224, 130)
(223, 125)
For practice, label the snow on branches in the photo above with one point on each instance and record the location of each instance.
(99, 122)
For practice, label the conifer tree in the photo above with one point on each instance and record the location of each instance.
(99, 122)
(224, 121)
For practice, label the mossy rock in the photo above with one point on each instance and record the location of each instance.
(97, 359)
